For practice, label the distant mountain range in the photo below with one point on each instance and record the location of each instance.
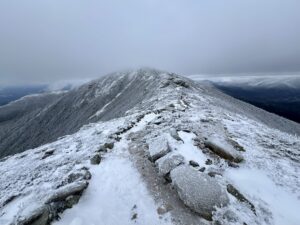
(11, 93)
(276, 94)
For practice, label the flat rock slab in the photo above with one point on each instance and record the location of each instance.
(223, 149)
(168, 163)
(158, 147)
(198, 191)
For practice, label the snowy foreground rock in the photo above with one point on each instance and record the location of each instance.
(198, 191)
(151, 148)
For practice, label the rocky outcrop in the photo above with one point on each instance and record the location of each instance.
(198, 191)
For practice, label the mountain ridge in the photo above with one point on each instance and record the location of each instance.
(144, 162)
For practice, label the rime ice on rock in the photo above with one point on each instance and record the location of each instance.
(158, 147)
(168, 163)
(198, 191)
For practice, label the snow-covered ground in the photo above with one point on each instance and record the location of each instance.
(126, 188)
(269, 176)
(116, 194)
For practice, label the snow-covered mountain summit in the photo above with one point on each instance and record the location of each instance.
(147, 147)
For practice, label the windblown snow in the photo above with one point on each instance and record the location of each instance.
(108, 168)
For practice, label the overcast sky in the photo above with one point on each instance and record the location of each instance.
(50, 40)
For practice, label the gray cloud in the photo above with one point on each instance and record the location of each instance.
(50, 40)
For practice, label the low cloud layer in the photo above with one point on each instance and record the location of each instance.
(51, 40)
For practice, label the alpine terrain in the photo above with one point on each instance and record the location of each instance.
(146, 147)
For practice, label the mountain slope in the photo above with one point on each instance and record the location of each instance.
(109, 97)
(177, 152)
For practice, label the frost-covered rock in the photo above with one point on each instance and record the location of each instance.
(198, 191)
(223, 149)
(168, 163)
(64, 192)
(158, 147)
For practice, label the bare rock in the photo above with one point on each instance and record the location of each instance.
(48, 153)
(198, 191)
(202, 169)
(109, 145)
(193, 163)
(96, 159)
(208, 162)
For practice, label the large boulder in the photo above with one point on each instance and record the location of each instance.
(198, 191)
(168, 163)
(158, 147)
(223, 149)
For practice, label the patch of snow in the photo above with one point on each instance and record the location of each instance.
(283, 205)
(116, 193)
(187, 149)
(269, 178)
(147, 118)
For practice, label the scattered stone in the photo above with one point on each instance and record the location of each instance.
(109, 145)
(48, 153)
(204, 120)
(163, 209)
(174, 134)
(186, 130)
(223, 149)
(134, 216)
(233, 191)
(158, 147)
(96, 159)
(236, 145)
(232, 164)
(8, 200)
(202, 169)
(208, 162)
(193, 163)
(180, 82)
(102, 149)
(198, 191)
(214, 173)
(168, 163)
(87, 175)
